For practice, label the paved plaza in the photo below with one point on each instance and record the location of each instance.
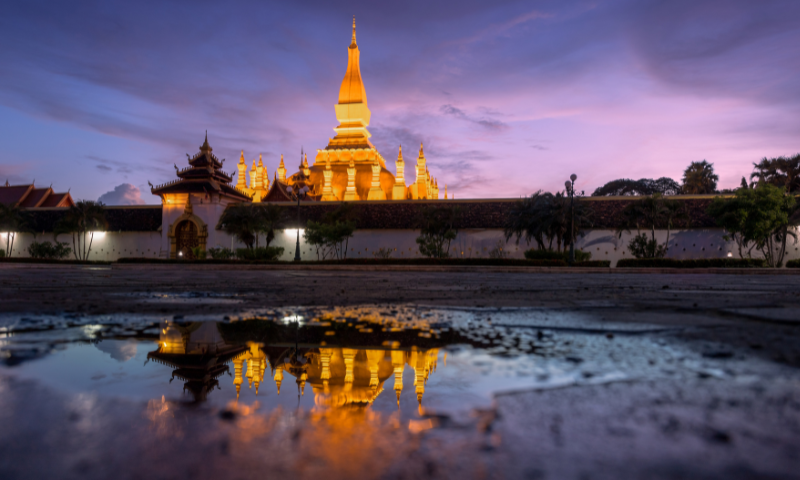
(587, 375)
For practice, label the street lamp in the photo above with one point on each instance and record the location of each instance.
(298, 190)
(570, 184)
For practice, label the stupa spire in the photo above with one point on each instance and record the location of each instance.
(353, 42)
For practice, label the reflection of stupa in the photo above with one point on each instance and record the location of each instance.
(338, 376)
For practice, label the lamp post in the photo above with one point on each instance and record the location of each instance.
(298, 190)
(570, 184)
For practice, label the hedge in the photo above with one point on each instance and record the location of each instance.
(52, 260)
(593, 263)
(793, 263)
(367, 261)
(696, 263)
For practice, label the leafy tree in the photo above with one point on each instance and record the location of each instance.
(699, 178)
(272, 218)
(437, 228)
(331, 235)
(241, 221)
(545, 218)
(650, 212)
(758, 218)
(13, 220)
(781, 171)
(644, 186)
(82, 220)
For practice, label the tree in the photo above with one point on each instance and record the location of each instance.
(760, 217)
(781, 171)
(545, 218)
(13, 220)
(437, 228)
(699, 178)
(272, 218)
(241, 221)
(643, 186)
(650, 212)
(331, 235)
(82, 220)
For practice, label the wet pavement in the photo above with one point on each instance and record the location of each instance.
(226, 374)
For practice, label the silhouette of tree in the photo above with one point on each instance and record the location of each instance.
(699, 178)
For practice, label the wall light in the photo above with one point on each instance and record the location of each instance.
(293, 232)
(730, 254)
(99, 234)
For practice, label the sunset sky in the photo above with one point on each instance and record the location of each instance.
(508, 96)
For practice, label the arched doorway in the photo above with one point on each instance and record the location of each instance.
(186, 238)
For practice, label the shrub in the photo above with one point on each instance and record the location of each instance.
(696, 263)
(46, 250)
(331, 235)
(198, 253)
(259, 254)
(643, 247)
(437, 230)
(2, 254)
(498, 252)
(580, 255)
(221, 253)
(789, 264)
(382, 253)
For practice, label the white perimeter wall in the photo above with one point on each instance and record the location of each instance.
(472, 243)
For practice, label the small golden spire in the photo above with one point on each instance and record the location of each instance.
(420, 150)
(241, 159)
(260, 163)
(354, 31)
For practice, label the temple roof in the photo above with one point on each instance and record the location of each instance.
(203, 175)
(28, 196)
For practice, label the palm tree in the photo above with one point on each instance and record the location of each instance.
(699, 178)
(13, 220)
(545, 218)
(82, 220)
(781, 172)
(242, 221)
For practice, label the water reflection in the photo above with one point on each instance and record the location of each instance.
(339, 376)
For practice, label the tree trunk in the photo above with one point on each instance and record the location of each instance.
(91, 239)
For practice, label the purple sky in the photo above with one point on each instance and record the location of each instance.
(509, 97)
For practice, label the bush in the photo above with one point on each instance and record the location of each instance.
(382, 253)
(789, 264)
(46, 250)
(697, 263)
(198, 253)
(580, 255)
(641, 246)
(498, 252)
(221, 253)
(2, 254)
(259, 254)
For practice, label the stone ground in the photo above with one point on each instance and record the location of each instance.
(720, 396)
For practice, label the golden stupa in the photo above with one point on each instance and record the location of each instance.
(349, 168)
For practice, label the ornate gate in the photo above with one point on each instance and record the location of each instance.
(186, 238)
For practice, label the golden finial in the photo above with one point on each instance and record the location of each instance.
(420, 149)
(282, 160)
(354, 30)
(241, 159)
(260, 163)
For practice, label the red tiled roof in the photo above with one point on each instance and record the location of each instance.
(36, 197)
(12, 195)
(58, 200)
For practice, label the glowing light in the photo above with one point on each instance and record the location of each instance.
(99, 234)
(292, 232)
(180, 254)
(730, 254)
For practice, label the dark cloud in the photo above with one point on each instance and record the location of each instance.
(123, 194)
(485, 122)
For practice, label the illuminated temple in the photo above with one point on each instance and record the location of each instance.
(349, 168)
(337, 376)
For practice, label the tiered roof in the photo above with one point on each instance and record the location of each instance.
(28, 196)
(203, 175)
